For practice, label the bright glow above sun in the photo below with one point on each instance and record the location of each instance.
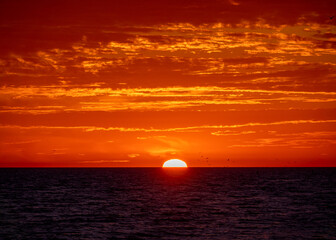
(174, 163)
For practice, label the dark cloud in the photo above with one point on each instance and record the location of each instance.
(41, 12)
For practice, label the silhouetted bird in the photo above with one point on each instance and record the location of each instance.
(332, 17)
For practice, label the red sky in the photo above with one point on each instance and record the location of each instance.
(223, 83)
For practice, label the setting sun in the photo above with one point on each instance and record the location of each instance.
(174, 163)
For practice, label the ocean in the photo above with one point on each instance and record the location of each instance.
(155, 203)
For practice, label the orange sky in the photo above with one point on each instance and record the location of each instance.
(220, 83)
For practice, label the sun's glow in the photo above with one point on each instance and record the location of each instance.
(174, 163)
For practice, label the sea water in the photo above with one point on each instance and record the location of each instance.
(155, 203)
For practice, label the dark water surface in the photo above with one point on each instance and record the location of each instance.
(148, 203)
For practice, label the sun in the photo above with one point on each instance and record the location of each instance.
(174, 163)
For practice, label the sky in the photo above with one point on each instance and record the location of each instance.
(129, 83)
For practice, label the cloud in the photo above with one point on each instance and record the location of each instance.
(181, 47)
(176, 129)
(71, 98)
(133, 155)
(106, 161)
(298, 142)
(231, 133)
(234, 3)
(154, 12)
(21, 142)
